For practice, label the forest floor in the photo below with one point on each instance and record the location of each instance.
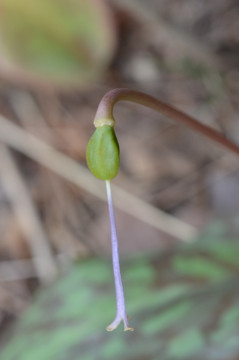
(182, 52)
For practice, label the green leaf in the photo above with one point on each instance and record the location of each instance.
(199, 267)
(168, 317)
(62, 42)
(186, 344)
(183, 305)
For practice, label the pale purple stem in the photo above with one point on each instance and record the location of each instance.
(119, 290)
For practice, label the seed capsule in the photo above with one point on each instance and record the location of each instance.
(102, 153)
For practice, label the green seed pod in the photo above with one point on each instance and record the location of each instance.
(102, 153)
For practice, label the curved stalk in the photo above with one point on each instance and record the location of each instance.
(106, 106)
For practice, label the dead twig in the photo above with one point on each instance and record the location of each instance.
(15, 270)
(162, 29)
(18, 195)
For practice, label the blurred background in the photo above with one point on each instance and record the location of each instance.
(57, 60)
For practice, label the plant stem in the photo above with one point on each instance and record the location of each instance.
(104, 116)
(119, 290)
(105, 111)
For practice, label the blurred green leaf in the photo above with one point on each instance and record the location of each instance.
(183, 304)
(187, 343)
(59, 41)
